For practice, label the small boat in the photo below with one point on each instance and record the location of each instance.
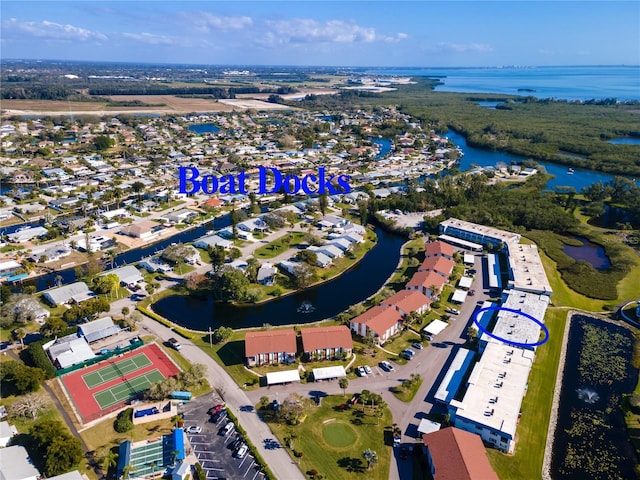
(570, 171)
(305, 307)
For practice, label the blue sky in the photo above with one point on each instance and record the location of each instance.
(371, 33)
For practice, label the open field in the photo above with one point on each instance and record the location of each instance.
(171, 104)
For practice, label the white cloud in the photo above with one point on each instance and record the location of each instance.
(304, 30)
(52, 30)
(206, 22)
(149, 38)
(446, 47)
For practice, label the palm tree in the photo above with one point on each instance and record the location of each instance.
(109, 460)
(128, 470)
(19, 334)
(371, 456)
(344, 384)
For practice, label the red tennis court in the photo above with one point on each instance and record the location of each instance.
(107, 386)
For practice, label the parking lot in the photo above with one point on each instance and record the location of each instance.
(214, 451)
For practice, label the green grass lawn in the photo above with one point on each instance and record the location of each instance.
(407, 394)
(526, 463)
(279, 245)
(332, 440)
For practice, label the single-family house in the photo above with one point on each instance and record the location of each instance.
(128, 275)
(15, 464)
(145, 230)
(155, 264)
(332, 221)
(319, 343)
(27, 234)
(439, 249)
(342, 243)
(407, 301)
(267, 274)
(330, 251)
(7, 432)
(180, 215)
(322, 260)
(428, 282)
(98, 329)
(270, 346)
(74, 292)
(212, 241)
(382, 322)
(67, 351)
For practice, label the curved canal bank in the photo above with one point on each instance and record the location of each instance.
(328, 299)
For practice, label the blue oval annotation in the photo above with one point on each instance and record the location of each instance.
(505, 340)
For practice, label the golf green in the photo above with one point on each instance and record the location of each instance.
(339, 434)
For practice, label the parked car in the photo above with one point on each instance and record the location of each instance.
(174, 343)
(417, 345)
(406, 355)
(242, 451)
(472, 292)
(215, 409)
(453, 311)
(194, 429)
(227, 429)
(386, 366)
(368, 370)
(408, 351)
(216, 417)
(360, 371)
(429, 338)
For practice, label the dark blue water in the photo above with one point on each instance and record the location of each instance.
(589, 252)
(625, 141)
(384, 147)
(569, 83)
(200, 128)
(329, 299)
(489, 158)
(131, 256)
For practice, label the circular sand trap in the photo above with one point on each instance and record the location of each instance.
(339, 434)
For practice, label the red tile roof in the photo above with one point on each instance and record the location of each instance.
(408, 300)
(326, 337)
(270, 341)
(379, 319)
(458, 455)
(426, 280)
(213, 202)
(438, 247)
(438, 264)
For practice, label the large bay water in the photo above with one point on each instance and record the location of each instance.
(568, 83)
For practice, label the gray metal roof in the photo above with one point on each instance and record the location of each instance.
(15, 464)
(65, 293)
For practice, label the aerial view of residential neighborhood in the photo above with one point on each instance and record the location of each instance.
(319, 240)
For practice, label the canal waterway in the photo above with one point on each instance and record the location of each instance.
(591, 441)
(327, 299)
(490, 158)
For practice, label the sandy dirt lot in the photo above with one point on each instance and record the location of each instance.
(171, 104)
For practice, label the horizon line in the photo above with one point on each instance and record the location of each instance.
(225, 65)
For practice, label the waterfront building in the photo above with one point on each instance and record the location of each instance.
(270, 346)
(476, 233)
(320, 343)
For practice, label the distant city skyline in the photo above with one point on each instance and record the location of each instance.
(328, 33)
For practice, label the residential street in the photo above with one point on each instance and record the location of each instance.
(429, 363)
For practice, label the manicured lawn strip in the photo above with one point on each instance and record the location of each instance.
(279, 245)
(321, 456)
(103, 434)
(536, 408)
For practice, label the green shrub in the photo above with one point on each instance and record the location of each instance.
(39, 359)
(124, 421)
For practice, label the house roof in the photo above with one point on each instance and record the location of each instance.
(427, 279)
(15, 464)
(408, 300)
(458, 455)
(68, 353)
(139, 228)
(127, 274)
(326, 337)
(437, 247)
(67, 292)
(99, 329)
(438, 264)
(379, 319)
(270, 341)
